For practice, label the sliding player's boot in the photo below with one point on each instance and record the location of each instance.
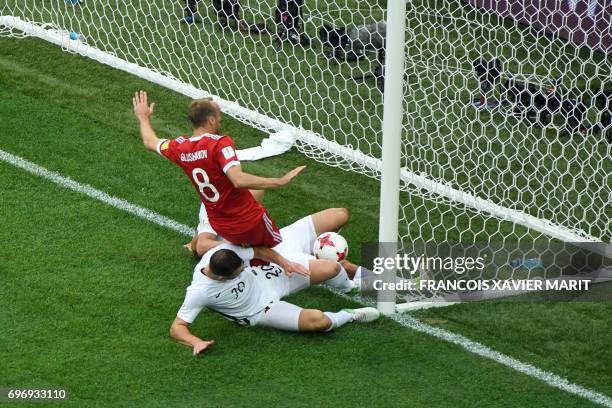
(364, 314)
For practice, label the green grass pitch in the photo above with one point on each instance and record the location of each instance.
(88, 292)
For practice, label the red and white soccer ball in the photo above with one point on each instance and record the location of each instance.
(330, 245)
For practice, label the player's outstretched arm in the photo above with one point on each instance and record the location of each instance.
(240, 179)
(270, 255)
(143, 112)
(180, 332)
(202, 243)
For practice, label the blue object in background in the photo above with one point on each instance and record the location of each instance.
(527, 263)
(76, 36)
(73, 2)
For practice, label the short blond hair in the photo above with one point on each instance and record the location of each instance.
(200, 110)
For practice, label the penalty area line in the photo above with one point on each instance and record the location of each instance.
(404, 320)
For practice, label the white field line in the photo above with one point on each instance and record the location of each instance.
(95, 194)
(405, 320)
(549, 378)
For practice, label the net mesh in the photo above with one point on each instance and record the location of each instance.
(507, 125)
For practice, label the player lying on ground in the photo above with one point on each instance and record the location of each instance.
(210, 162)
(251, 296)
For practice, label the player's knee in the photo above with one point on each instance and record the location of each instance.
(334, 269)
(340, 216)
(330, 268)
(343, 215)
(314, 320)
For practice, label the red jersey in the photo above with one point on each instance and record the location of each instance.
(205, 159)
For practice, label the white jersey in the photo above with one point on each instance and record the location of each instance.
(237, 299)
(243, 298)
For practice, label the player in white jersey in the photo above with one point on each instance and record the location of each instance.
(252, 295)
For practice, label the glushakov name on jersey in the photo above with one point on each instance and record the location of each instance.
(205, 159)
(189, 157)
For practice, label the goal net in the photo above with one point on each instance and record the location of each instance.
(507, 107)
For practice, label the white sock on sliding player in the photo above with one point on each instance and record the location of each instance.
(341, 281)
(338, 319)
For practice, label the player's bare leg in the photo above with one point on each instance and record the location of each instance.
(313, 320)
(334, 275)
(351, 268)
(362, 277)
(322, 270)
(331, 273)
(203, 242)
(330, 220)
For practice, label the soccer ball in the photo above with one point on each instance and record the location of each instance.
(330, 245)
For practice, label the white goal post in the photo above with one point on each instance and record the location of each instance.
(392, 137)
(489, 129)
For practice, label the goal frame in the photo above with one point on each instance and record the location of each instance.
(394, 178)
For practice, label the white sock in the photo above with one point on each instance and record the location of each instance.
(357, 274)
(341, 281)
(338, 319)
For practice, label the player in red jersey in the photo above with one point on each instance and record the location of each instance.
(210, 162)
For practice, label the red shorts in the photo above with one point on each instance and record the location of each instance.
(264, 233)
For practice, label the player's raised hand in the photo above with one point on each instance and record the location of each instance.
(286, 179)
(292, 267)
(202, 345)
(142, 110)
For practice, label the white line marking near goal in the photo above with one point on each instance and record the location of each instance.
(96, 194)
(405, 320)
(474, 347)
(484, 351)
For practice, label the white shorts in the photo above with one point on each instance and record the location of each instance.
(281, 316)
(204, 225)
(298, 237)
